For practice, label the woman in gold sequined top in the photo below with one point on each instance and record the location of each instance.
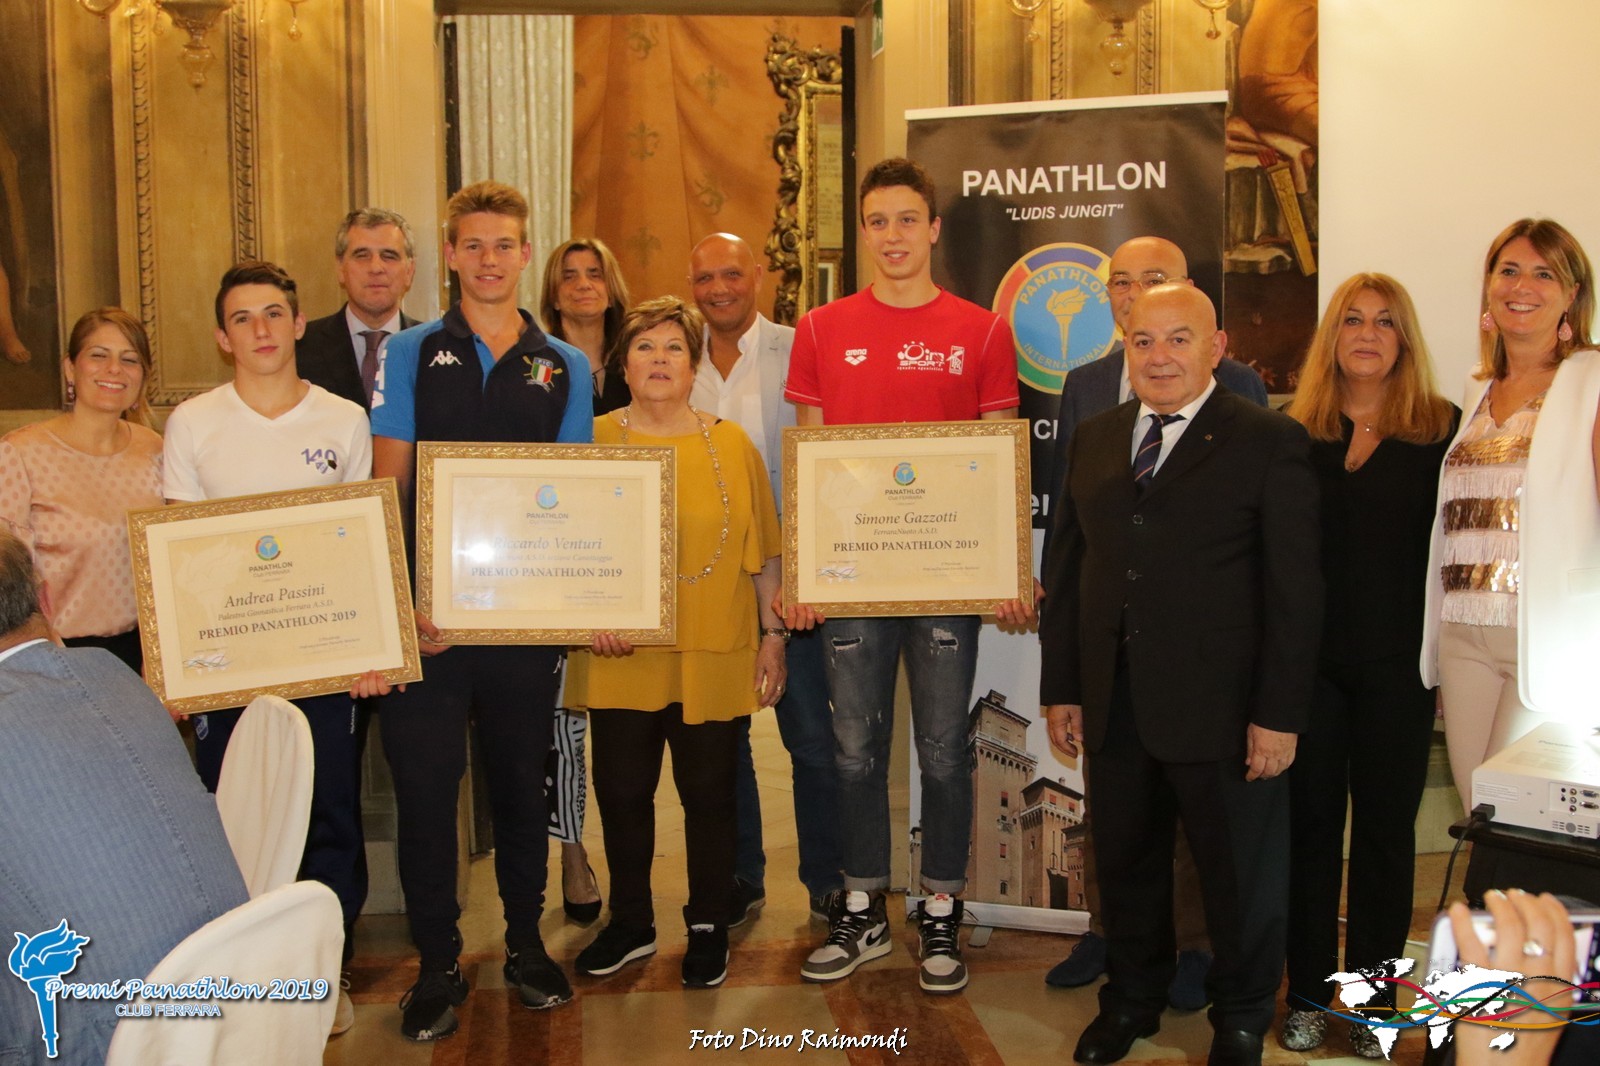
(1513, 609)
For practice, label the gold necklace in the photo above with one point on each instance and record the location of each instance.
(722, 488)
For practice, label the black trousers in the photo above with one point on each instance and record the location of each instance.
(510, 692)
(1371, 724)
(627, 753)
(1238, 831)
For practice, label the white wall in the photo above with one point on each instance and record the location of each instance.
(1441, 122)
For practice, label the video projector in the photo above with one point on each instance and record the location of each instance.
(1549, 780)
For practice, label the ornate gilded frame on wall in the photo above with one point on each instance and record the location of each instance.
(808, 227)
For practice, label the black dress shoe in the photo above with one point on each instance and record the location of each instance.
(1110, 1035)
(1235, 1047)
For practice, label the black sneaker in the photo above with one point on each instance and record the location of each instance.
(428, 1008)
(616, 946)
(705, 964)
(746, 900)
(538, 980)
(854, 937)
(824, 904)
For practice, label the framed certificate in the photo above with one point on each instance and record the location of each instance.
(293, 593)
(909, 519)
(547, 543)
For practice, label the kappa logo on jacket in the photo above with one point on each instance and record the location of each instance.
(445, 359)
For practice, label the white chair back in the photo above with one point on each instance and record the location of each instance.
(264, 792)
(292, 934)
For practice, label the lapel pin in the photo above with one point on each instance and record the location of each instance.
(1208, 436)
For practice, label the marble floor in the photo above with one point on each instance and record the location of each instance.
(642, 1014)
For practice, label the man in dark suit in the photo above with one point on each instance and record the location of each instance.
(1180, 636)
(375, 259)
(1138, 264)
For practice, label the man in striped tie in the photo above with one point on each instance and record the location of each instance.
(1179, 640)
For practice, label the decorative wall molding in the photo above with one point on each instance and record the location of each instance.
(243, 121)
(1147, 50)
(790, 71)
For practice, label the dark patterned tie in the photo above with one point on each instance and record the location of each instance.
(1144, 462)
(369, 362)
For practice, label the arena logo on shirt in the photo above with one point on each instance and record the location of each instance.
(918, 356)
(326, 460)
(853, 356)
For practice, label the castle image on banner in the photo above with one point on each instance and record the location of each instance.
(1027, 831)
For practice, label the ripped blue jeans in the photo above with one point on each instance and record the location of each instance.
(941, 657)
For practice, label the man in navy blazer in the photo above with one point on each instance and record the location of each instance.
(376, 260)
(1179, 639)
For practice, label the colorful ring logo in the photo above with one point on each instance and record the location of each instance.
(1056, 301)
(547, 497)
(268, 549)
(905, 474)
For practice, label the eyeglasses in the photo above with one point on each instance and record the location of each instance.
(1121, 283)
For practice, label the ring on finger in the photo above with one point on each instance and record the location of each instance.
(1533, 949)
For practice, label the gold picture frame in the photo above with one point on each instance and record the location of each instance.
(564, 516)
(907, 519)
(293, 593)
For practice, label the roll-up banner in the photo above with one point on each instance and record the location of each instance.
(1034, 199)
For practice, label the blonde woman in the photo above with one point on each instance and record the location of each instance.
(1378, 430)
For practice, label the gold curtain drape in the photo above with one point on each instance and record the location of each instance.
(673, 121)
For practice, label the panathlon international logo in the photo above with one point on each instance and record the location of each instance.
(39, 961)
(1060, 313)
(547, 497)
(905, 474)
(267, 548)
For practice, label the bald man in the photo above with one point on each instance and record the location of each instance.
(741, 379)
(1179, 642)
(1137, 265)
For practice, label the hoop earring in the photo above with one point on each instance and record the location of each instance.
(1564, 331)
(1486, 323)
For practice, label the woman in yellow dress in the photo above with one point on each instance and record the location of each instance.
(728, 662)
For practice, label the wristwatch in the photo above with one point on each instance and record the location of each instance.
(776, 631)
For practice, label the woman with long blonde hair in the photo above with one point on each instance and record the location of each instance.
(68, 483)
(1378, 431)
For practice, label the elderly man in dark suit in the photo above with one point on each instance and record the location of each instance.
(375, 259)
(1138, 264)
(1180, 636)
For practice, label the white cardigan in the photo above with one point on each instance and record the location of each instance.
(1558, 604)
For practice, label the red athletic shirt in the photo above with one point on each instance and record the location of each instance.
(861, 360)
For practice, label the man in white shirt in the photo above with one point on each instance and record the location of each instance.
(742, 379)
(269, 431)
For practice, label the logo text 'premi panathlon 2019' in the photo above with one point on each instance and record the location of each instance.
(42, 960)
